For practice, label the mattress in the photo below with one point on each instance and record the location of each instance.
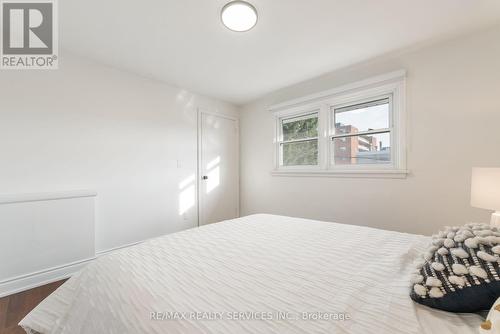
(256, 274)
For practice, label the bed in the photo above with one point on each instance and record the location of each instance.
(256, 274)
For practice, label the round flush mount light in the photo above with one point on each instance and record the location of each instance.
(239, 16)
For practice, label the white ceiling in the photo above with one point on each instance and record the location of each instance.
(182, 42)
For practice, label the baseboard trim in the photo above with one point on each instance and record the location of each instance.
(32, 280)
(110, 250)
(29, 281)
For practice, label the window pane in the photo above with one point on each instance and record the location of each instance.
(364, 149)
(304, 153)
(362, 117)
(300, 127)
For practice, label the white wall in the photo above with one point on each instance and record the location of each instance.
(87, 126)
(50, 235)
(454, 117)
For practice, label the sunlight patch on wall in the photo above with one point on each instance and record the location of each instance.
(187, 196)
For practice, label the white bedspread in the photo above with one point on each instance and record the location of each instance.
(274, 269)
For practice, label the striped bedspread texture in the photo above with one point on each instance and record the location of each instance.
(256, 274)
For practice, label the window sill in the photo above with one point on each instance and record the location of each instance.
(375, 174)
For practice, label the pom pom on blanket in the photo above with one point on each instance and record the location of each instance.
(459, 272)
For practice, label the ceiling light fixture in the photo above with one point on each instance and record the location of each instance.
(239, 16)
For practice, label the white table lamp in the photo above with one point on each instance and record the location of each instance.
(485, 191)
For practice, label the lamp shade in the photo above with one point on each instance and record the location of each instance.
(485, 188)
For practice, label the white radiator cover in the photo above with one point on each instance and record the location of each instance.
(44, 237)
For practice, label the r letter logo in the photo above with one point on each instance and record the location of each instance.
(29, 34)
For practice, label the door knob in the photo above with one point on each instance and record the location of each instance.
(204, 177)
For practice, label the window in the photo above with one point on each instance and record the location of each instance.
(362, 133)
(299, 144)
(357, 130)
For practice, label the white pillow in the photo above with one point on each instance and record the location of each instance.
(492, 323)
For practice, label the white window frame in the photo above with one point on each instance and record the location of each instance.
(281, 141)
(391, 85)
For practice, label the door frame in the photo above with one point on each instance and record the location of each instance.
(199, 168)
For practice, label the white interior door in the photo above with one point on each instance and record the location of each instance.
(219, 168)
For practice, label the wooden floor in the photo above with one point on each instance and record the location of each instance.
(13, 308)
